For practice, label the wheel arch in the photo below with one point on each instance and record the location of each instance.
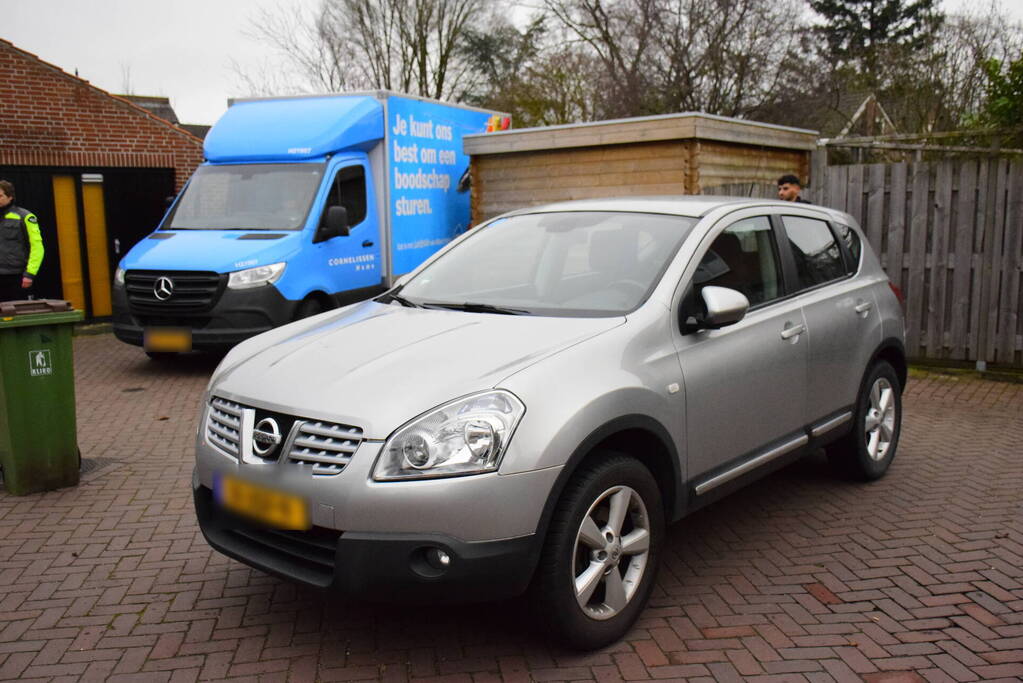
(639, 436)
(893, 352)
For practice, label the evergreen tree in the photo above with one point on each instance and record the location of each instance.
(876, 37)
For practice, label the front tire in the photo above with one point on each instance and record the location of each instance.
(600, 558)
(868, 450)
(308, 308)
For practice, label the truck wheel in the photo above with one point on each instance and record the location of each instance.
(600, 556)
(868, 449)
(160, 355)
(308, 308)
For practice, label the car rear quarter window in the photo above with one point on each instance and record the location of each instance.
(815, 250)
(852, 246)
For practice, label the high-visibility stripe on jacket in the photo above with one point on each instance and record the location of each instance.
(21, 244)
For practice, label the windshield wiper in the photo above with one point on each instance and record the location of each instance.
(393, 295)
(471, 307)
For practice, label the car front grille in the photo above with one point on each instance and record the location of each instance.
(170, 292)
(325, 448)
(224, 426)
(306, 555)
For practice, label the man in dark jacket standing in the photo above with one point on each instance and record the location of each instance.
(21, 246)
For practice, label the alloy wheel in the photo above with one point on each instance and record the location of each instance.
(612, 549)
(879, 422)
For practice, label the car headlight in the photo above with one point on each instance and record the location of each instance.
(256, 277)
(119, 277)
(466, 436)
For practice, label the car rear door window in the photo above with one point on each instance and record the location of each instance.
(744, 258)
(817, 253)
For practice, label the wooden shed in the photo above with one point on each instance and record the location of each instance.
(688, 153)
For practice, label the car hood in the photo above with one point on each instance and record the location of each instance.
(221, 251)
(376, 366)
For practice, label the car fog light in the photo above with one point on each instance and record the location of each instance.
(438, 558)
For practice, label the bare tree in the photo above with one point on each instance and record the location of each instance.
(406, 45)
(619, 34)
(724, 57)
(716, 56)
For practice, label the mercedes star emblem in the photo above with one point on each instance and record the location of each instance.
(163, 288)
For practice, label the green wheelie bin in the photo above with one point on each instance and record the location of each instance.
(38, 440)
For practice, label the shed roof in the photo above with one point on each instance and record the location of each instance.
(684, 126)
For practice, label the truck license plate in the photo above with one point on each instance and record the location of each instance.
(280, 510)
(162, 339)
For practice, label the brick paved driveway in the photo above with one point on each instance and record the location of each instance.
(799, 577)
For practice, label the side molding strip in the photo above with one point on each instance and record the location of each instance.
(752, 463)
(826, 427)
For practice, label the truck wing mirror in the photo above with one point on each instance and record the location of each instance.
(335, 224)
(722, 307)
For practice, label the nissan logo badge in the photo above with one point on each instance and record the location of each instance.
(266, 436)
(163, 288)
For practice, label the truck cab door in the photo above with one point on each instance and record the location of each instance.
(351, 263)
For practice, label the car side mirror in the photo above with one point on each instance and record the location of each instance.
(721, 307)
(335, 224)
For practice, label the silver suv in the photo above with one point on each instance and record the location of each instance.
(530, 407)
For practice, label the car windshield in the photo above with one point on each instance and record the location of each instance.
(247, 197)
(580, 263)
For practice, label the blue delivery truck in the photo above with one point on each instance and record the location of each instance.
(303, 204)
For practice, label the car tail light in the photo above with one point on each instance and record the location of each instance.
(898, 293)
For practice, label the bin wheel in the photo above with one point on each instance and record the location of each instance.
(160, 355)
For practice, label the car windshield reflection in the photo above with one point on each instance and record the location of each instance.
(580, 263)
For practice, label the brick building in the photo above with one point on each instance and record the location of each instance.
(95, 168)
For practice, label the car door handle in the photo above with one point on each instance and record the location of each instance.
(863, 307)
(367, 243)
(793, 331)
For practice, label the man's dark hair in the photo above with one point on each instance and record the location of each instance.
(790, 180)
(8, 187)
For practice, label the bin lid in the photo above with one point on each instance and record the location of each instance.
(28, 306)
(37, 312)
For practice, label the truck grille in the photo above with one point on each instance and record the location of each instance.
(224, 425)
(327, 447)
(188, 292)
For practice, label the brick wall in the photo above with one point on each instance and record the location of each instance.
(51, 118)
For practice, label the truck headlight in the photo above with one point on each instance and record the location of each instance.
(256, 277)
(466, 436)
(119, 277)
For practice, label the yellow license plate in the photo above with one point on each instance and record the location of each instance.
(168, 339)
(280, 510)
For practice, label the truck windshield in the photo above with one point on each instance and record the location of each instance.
(580, 263)
(247, 197)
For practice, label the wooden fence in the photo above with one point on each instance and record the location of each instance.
(950, 235)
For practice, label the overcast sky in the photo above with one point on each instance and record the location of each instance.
(181, 49)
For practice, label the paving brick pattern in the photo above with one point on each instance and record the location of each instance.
(800, 577)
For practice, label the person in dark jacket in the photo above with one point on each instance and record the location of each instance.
(21, 246)
(789, 188)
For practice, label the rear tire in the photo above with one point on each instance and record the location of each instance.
(160, 356)
(868, 449)
(600, 557)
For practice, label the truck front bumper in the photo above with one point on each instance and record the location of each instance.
(237, 315)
